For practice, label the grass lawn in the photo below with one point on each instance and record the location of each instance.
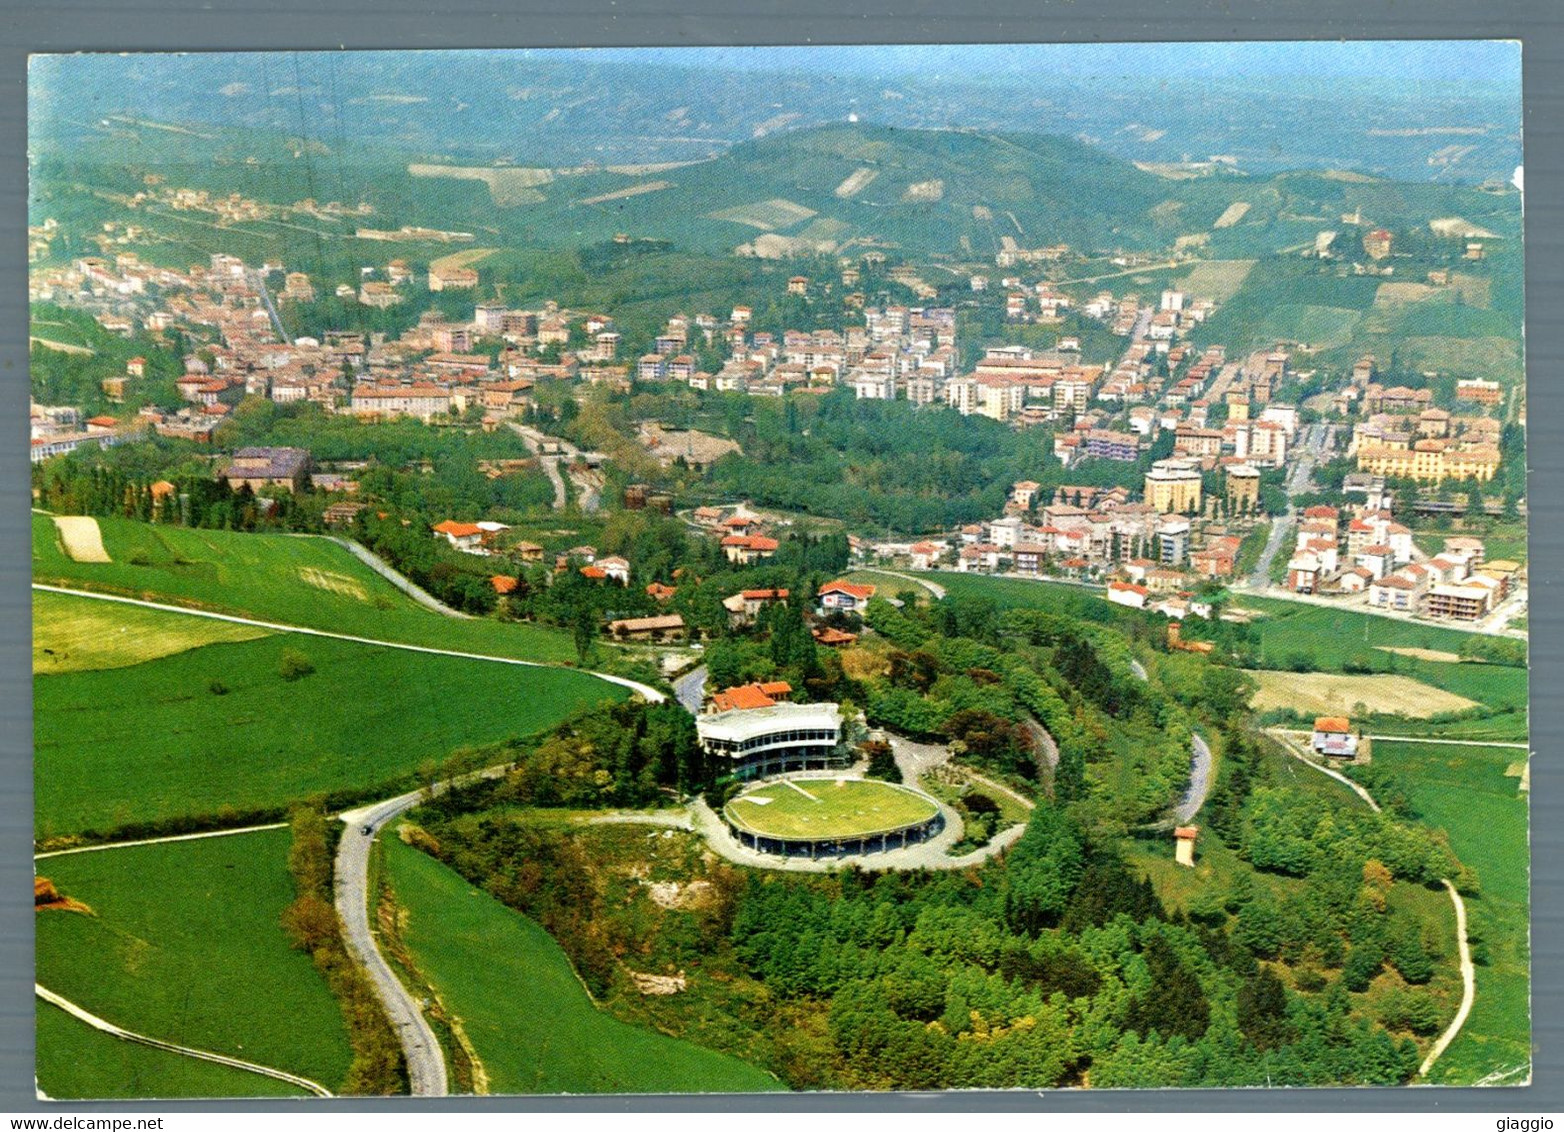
(155, 741)
(76, 1062)
(304, 581)
(887, 585)
(186, 945)
(1025, 593)
(1465, 791)
(521, 1005)
(827, 807)
(75, 634)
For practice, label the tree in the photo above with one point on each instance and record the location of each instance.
(1174, 1003)
(1262, 1009)
(584, 628)
(294, 665)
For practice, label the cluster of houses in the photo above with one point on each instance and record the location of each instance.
(58, 429)
(1364, 550)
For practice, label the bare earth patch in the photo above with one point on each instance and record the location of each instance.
(81, 537)
(1329, 693)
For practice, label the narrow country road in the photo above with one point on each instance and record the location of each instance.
(1200, 765)
(646, 690)
(390, 573)
(690, 689)
(425, 1060)
(936, 590)
(107, 1027)
(1199, 780)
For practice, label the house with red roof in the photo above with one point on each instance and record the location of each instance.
(845, 596)
(748, 697)
(748, 549)
(466, 537)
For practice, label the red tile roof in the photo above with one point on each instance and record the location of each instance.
(852, 590)
(453, 529)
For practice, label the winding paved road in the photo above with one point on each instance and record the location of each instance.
(1199, 780)
(425, 1060)
(690, 689)
(401, 581)
(123, 1034)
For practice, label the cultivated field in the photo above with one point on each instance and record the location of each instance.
(766, 214)
(828, 807)
(220, 729)
(513, 992)
(185, 944)
(856, 183)
(467, 257)
(1217, 279)
(1232, 214)
(76, 634)
(81, 538)
(1467, 792)
(1326, 693)
(631, 191)
(507, 186)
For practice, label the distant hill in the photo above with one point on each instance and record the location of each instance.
(920, 190)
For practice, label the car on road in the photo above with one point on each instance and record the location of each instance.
(367, 830)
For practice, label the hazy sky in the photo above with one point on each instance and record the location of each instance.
(1487, 61)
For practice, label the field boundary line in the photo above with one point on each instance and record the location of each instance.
(652, 694)
(158, 840)
(107, 1027)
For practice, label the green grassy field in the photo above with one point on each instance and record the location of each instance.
(185, 945)
(521, 1005)
(1010, 593)
(72, 634)
(824, 807)
(1331, 637)
(1465, 791)
(309, 582)
(76, 1062)
(155, 741)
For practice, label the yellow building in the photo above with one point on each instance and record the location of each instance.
(1430, 461)
(1173, 487)
(1243, 487)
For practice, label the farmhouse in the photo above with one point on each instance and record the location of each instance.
(764, 741)
(466, 537)
(647, 628)
(1333, 736)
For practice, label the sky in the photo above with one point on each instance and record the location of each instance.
(1487, 61)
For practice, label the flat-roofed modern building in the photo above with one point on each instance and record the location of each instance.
(773, 740)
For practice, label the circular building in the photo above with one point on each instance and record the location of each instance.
(831, 817)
